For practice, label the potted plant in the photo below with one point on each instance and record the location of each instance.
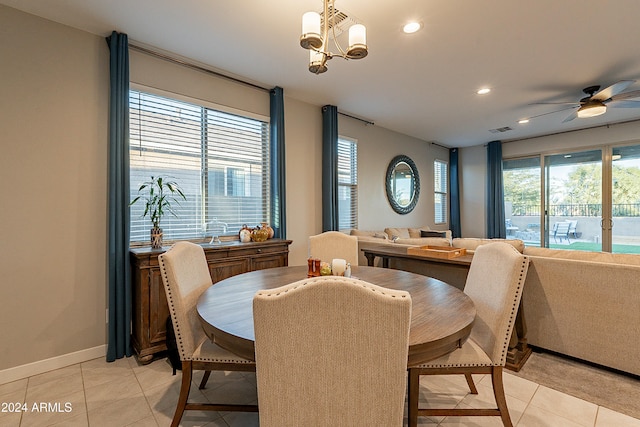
(158, 194)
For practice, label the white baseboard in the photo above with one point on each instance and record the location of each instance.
(35, 368)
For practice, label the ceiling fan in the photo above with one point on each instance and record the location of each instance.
(597, 101)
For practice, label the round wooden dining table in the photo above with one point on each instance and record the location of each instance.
(441, 316)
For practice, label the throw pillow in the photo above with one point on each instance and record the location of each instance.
(430, 233)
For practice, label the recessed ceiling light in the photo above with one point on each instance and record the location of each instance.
(523, 121)
(412, 27)
(483, 91)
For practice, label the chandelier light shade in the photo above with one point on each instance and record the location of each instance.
(311, 38)
(315, 37)
(592, 109)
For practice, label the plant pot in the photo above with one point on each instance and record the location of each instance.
(156, 238)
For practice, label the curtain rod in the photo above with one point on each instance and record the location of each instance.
(194, 66)
(366, 122)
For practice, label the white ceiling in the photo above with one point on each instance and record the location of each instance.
(422, 84)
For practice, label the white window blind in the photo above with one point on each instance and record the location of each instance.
(347, 184)
(440, 191)
(219, 159)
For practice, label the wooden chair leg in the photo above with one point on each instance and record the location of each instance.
(498, 392)
(414, 397)
(205, 378)
(471, 384)
(187, 372)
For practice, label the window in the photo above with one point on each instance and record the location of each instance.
(220, 159)
(440, 191)
(347, 183)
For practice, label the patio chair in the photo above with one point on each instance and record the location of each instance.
(561, 231)
(572, 228)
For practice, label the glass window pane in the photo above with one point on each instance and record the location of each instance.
(625, 194)
(522, 200)
(347, 184)
(574, 198)
(440, 180)
(219, 159)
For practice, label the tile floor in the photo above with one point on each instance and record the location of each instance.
(123, 393)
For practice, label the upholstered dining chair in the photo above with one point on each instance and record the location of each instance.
(495, 281)
(334, 244)
(331, 351)
(185, 275)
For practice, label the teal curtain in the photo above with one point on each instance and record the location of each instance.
(278, 181)
(454, 194)
(119, 281)
(496, 227)
(330, 168)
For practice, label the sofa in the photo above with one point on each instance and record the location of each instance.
(581, 304)
(585, 305)
(412, 236)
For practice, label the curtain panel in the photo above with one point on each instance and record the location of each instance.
(454, 192)
(496, 227)
(119, 276)
(278, 175)
(330, 168)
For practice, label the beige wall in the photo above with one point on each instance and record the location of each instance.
(53, 121)
(376, 148)
(54, 117)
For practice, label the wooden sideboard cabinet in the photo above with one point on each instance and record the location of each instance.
(150, 309)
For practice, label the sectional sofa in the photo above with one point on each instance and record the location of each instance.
(581, 304)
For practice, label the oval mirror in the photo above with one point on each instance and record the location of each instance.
(403, 184)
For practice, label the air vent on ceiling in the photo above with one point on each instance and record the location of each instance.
(342, 22)
(501, 130)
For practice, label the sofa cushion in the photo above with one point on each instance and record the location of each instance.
(417, 231)
(471, 244)
(401, 233)
(424, 241)
(370, 233)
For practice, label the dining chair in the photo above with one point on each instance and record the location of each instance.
(185, 275)
(334, 244)
(331, 351)
(495, 281)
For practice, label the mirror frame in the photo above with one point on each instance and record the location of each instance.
(402, 210)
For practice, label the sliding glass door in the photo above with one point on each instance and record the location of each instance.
(584, 200)
(624, 223)
(573, 200)
(522, 207)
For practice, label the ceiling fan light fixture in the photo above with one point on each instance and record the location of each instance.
(592, 109)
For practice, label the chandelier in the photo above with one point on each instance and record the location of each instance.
(315, 32)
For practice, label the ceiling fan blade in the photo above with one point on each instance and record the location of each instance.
(575, 104)
(626, 95)
(552, 112)
(571, 117)
(624, 104)
(612, 90)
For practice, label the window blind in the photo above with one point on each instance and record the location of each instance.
(219, 159)
(440, 191)
(347, 184)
